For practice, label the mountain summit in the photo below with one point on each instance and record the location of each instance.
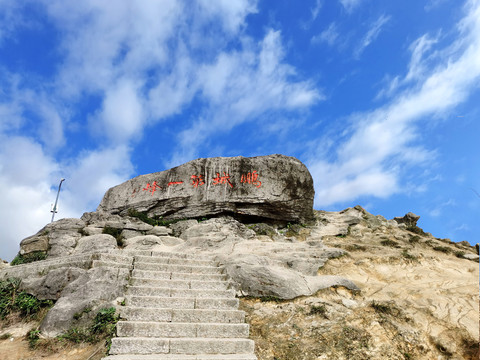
(225, 258)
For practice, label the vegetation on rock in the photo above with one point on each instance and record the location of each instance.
(14, 300)
(28, 258)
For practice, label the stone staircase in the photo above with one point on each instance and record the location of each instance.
(180, 307)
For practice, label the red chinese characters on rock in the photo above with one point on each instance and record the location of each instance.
(174, 183)
(225, 179)
(152, 188)
(251, 178)
(197, 180)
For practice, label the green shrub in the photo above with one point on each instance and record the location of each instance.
(76, 335)
(389, 242)
(11, 299)
(355, 247)
(28, 258)
(408, 256)
(103, 327)
(33, 336)
(414, 239)
(157, 221)
(443, 249)
(318, 310)
(116, 233)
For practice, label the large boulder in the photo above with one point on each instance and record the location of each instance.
(273, 187)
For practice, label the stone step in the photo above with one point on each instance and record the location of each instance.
(182, 302)
(182, 284)
(113, 257)
(173, 261)
(180, 330)
(189, 269)
(169, 292)
(111, 264)
(146, 274)
(144, 345)
(182, 315)
(182, 357)
(165, 254)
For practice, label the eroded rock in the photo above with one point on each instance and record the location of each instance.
(273, 187)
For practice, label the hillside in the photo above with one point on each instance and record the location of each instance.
(417, 295)
(225, 259)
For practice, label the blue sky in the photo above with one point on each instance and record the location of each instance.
(379, 99)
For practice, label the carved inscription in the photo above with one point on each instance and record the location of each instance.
(198, 180)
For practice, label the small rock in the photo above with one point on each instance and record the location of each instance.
(96, 243)
(160, 231)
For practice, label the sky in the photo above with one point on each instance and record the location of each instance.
(380, 99)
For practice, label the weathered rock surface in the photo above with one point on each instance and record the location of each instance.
(90, 290)
(96, 243)
(273, 187)
(409, 219)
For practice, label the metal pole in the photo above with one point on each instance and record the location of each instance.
(54, 210)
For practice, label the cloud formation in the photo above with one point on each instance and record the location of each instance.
(135, 65)
(380, 144)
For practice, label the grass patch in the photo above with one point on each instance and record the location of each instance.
(408, 256)
(390, 243)
(353, 342)
(103, 327)
(355, 247)
(264, 298)
(443, 249)
(14, 300)
(386, 308)
(318, 310)
(32, 337)
(459, 254)
(416, 230)
(414, 239)
(155, 221)
(78, 315)
(28, 258)
(115, 232)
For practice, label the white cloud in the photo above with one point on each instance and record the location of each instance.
(142, 62)
(366, 151)
(329, 35)
(25, 174)
(239, 86)
(231, 13)
(371, 34)
(90, 175)
(350, 5)
(316, 9)
(121, 117)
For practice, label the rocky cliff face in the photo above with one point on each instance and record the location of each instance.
(272, 187)
(344, 285)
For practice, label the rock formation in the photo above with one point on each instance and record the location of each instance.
(240, 232)
(272, 187)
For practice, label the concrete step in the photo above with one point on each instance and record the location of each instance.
(165, 254)
(182, 302)
(173, 261)
(113, 257)
(146, 274)
(111, 264)
(190, 269)
(182, 357)
(180, 330)
(182, 284)
(182, 315)
(144, 345)
(169, 292)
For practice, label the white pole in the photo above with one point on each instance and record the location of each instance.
(54, 210)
